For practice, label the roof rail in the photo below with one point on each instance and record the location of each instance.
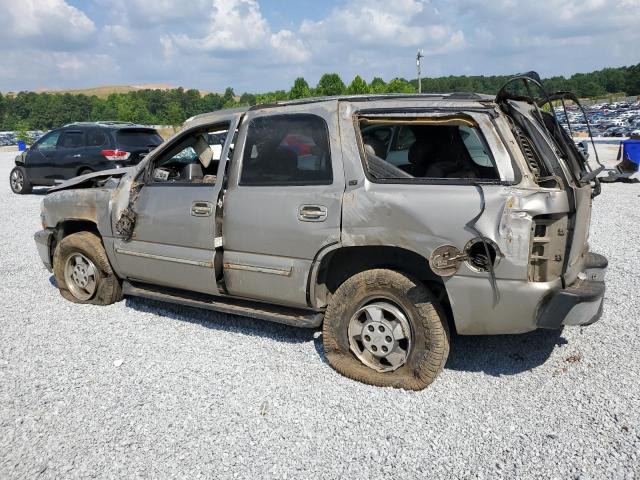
(375, 96)
(100, 122)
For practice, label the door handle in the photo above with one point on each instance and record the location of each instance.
(312, 213)
(77, 155)
(201, 209)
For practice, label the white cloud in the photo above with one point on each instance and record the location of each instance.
(119, 34)
(147, 13)
(254, 45)
(46, 69)
(239, 26)
(46, 24)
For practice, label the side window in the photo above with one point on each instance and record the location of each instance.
(451, 149)
(192, 159)
(476, 147)
(72, 139)
(96, 138)
(49, 141)
(287, 150)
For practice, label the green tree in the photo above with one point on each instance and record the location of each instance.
(174, 115)
(400, 85)
(331, 84)
(22, 130)
(377, 85)
(300, 89)
(247, 99)
(358, 86)
(229, 98)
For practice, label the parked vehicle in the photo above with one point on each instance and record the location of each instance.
(78, 149)
(302, 219)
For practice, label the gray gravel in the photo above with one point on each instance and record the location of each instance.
(145, 389)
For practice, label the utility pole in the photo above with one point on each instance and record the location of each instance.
(419, 58)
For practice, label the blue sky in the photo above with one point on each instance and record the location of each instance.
(260, 45)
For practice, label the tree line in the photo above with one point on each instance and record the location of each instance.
(43, 111)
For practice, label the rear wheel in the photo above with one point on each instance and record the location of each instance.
(384, 328)
(83, 272)
(19, 181)
(84, 171)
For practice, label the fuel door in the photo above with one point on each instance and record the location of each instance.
(446, 259)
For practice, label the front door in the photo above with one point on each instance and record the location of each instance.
(173, 238)
(283, 202)
(42, 157)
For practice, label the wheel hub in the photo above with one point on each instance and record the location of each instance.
(380, 336)
(81, 276)
(17, 180)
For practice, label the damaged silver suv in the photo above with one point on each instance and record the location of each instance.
(387, 220)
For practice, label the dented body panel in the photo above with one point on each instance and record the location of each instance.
(266, 251)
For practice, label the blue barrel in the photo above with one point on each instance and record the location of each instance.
(631, 152)
(22, 146)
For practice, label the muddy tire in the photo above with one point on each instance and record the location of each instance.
(19, 181)
(378, 310)
(83, 272)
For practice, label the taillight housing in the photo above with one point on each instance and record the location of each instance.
(116, 154)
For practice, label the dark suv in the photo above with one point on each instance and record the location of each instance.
(81, 148)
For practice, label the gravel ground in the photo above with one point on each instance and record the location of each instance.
(145, 389)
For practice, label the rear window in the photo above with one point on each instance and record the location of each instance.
(442, 148)
(138, 138)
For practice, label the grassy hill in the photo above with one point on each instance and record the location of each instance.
(106, 90)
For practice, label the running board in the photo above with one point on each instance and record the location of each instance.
(246, 308)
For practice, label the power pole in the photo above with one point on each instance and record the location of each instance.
(419, 58)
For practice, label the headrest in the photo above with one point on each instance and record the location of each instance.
(203, 150)
(377, 145)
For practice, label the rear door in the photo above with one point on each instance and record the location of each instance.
(283, 202)
(70, 155)
(98, 140)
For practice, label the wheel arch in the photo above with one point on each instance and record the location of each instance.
(67, 227)
(336, 264)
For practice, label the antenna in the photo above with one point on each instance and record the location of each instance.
(419, 58)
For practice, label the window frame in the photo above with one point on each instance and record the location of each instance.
(380, 115)
(302, 183)
(94, 131)
(169, 145)
(41, 140)
(64, 134)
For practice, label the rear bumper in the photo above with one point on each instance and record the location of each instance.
(580, 303)
(43, 243)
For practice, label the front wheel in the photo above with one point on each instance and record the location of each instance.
(384, 328)
(19, 181)
(83, 272)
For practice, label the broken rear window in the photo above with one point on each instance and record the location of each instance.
(436, 148)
